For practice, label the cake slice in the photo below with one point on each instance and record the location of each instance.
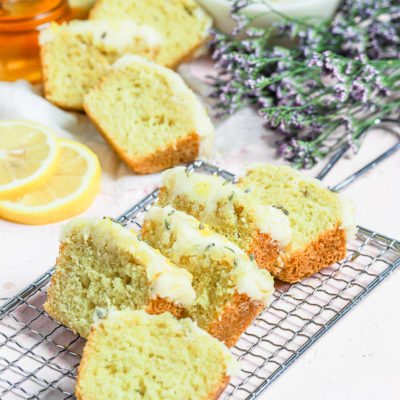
(75, 55)
(230, 289)
(182, 23)
(321, 220)
(103, 266)
(136, 356)
(261, 231)
(149, 116)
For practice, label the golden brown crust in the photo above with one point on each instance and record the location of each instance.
(329, 248)
(234, 318)
(160, 305)
(184, 150)
(219, 388)
(266, 252)
(293, 266)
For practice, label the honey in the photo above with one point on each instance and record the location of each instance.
(20, 24)
(80, 8)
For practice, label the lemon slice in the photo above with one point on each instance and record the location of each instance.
(69, 192)
(29, 155)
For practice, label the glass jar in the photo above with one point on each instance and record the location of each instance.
(20, 24)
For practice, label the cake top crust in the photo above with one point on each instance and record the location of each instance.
(211, 191)
(194, 238)
(117, 33)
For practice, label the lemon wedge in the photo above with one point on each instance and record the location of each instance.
(29, 155)
(69, 192)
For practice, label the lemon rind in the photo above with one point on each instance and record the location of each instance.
(67, 207)
(19, 187)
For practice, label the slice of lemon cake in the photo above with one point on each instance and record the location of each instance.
(261, 231)
(149, 116)
(321, 220)
(103, 266)
(182, 23)
(137, 356)
(230, 289)
(75, 55)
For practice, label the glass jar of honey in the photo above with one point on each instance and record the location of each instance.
(20, 24)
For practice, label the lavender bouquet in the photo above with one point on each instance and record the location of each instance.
(343, 75)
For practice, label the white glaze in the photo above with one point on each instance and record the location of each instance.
(118, 33)
(348, 217)
(195, 239)
(210, 190)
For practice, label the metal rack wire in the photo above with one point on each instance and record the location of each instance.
(39, 356)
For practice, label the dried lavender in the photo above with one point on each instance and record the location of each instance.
(322, 93)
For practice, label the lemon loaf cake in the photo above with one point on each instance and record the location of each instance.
(75, 55)
(103, 266)
(321, 220)
(182, 23)
(261, 231)
(137, 356)
(149, 116)
(230, 289)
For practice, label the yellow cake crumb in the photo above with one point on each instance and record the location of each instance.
(152, 119)
(103, 265)
(132, 355)
(77, 54)
(182, 23)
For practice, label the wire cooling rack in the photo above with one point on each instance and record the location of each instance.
(39, 356)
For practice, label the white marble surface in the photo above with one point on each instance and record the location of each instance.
(358, 359)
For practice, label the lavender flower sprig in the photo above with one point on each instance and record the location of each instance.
(325, 91)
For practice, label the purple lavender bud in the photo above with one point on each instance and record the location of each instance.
(341, 92)
(315, 61)
(348, 122)
(241, 20)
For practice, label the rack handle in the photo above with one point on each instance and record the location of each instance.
(367, 167)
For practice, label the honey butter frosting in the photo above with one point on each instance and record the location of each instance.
(118, 33)
(212, 191)
(348, 217)
(191, 238)
(166, 280)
